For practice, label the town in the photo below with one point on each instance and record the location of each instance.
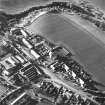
(34, 68)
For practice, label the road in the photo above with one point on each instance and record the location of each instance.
(69, 85)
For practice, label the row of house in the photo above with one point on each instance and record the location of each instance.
(54, 58)
(60, 95)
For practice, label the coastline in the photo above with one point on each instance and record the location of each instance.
(87, 27)
(90, 55)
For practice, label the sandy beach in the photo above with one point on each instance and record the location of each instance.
(87, 48)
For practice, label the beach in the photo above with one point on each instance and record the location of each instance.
(88, 49)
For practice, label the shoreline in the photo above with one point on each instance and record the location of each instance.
(68, 21)
(89, 29)
(95, 33)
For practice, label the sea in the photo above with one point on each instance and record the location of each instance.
(88, 50)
